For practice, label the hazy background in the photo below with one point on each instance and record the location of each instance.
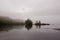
(44, 10)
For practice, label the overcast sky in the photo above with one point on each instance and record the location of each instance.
(36, 9)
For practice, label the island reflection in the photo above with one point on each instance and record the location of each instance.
(10, 27)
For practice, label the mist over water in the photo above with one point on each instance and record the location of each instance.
(14, 12)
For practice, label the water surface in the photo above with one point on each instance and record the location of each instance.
(21, 32)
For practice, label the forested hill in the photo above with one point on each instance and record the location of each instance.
(7, 20)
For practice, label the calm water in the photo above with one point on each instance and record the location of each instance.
(46, 32)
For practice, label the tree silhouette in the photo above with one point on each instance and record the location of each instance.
(38, 23)
(28, 22)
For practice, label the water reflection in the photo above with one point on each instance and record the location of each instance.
(28, 27)
(9, 27)
(5, 28)
(38, 26)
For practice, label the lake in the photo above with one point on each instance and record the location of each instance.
(21, 32)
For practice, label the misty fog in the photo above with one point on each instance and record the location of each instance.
(44, 10)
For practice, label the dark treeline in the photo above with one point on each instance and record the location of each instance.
(9, 21)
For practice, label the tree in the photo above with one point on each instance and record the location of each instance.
(28, 22)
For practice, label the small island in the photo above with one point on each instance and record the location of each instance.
(39, 23)
(29, 22)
